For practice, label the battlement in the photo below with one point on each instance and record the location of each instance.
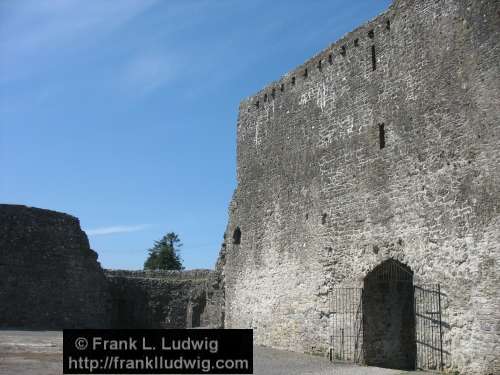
(337, 55)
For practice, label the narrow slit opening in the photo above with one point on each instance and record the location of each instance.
(374, 58)
(381, 135)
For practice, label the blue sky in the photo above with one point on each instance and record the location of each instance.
(123, 113)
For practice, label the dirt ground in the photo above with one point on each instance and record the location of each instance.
(40, 353)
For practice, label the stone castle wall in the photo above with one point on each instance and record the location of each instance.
(158, 299)
(214, 314)
(384, 145)
(50, 279)
(49, 276)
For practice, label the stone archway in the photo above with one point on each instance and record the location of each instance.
(389, 317)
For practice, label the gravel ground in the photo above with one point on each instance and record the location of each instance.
(30, 352)
(40, 353)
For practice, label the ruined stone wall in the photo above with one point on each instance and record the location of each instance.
(158, 299)
(50, 279)
(214, 313)
(49, 276)
(319, 203)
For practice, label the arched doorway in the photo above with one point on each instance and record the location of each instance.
(388, 316)
(389, 322)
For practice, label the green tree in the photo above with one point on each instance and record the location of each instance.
(165, 254)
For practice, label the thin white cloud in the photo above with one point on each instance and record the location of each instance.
(43, 28)
(148, 72)
(115, 229)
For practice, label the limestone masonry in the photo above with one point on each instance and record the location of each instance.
(159, 299)
(49, 276)
(381, 150)
(365, 225)
(50, 279)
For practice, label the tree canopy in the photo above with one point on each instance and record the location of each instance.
(165, 254)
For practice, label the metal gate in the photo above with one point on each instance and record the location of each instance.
(346, 314)
(346, 326)
(428, 327)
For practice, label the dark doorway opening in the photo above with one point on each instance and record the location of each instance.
(237, 236)
(388, 317)
(198, 309)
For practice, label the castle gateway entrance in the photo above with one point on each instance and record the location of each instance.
(389, 319)
(390, 322)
